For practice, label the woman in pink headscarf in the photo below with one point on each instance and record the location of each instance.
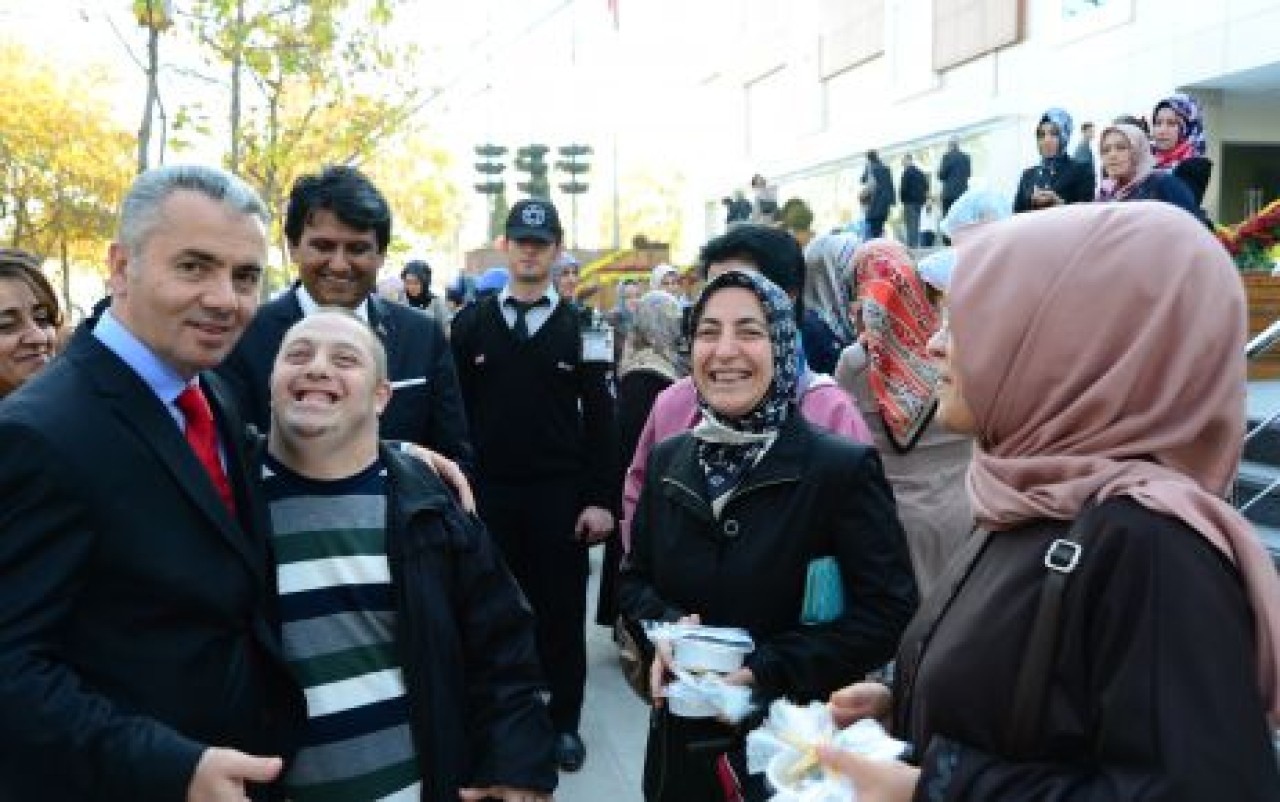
(1130, 171)
(1100, 421)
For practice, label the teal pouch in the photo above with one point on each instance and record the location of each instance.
(823, 592)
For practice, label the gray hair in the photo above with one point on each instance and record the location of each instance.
(140, 211)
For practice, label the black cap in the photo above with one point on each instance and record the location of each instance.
(534, 219)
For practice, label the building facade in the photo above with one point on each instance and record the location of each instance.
(809, 87)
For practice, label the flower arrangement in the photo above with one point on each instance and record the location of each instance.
(1255, 243)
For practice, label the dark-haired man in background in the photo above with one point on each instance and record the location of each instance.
(338, 226)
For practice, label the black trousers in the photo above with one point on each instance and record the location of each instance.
(533, 525)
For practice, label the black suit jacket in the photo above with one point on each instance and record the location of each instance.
(137, 622)
(430, 414)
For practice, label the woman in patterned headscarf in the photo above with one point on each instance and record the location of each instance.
(889, 374)
(1058, 179)
(1178, 142)
(732, 514)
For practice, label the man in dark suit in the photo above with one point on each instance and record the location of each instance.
(913, 191)
(953, 172)
(880, 181)
(338, 226)
(139, 657)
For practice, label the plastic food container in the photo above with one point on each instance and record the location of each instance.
(699, 653)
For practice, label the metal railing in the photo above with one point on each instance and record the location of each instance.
(1260, 344)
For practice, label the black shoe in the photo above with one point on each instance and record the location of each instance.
(570, 751)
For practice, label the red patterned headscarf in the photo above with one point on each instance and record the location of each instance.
(897, 321)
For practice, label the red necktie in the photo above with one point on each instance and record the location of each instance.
(203, 438)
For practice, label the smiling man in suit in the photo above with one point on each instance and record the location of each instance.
(139, 657)
(338, 226)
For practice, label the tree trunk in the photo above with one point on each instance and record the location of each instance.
(153, 69)
(237, 70)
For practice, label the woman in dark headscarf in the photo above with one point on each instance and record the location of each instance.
(1058, 179)
(732, 514)
(1178, 143)
(416, 276)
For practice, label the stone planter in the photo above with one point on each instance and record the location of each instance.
(1263, 292)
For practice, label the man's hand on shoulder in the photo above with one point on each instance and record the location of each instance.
(446, 469)
(222, 775)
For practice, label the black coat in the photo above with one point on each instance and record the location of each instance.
(813, 494)
(466, 638)
(1073, 181)
(429, 414)
(1153, 692)
(953, 172)
(137, 618)
(913, 186)
(883, 198)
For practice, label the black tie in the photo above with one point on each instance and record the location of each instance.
(521, 327)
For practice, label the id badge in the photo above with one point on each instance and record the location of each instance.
(597, 345)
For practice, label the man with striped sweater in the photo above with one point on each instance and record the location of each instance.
(412, 641)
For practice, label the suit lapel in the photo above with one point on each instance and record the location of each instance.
(139, 411)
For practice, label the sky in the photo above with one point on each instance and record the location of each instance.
(505, 71)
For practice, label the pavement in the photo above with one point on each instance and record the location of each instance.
(614, 721)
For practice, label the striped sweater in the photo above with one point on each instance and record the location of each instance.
(339, 622)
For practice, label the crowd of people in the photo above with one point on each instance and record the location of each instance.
(335, 546)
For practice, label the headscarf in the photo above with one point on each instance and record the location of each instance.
(826, 260)
(728, 447)
(937, 267)
(654, 341)
(659, 273)
(973, 207)
(565, 261)
(422, 271)
(898, 321)
(1141, 160)
(1062, 121)
(1128, 410)
(1191, 130)
(492, 281)
(621, 317)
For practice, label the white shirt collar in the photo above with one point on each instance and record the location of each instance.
(549, 293)
(310, 307)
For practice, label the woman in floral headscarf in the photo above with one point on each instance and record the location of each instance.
(894, 382)
(1058, 179)
(1105, 448)
(1178, 142)
(730, 517)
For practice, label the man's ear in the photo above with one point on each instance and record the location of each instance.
(381, 396)
(117, 266)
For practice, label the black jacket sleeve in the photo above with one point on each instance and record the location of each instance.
(879, 587)
(600, 434)
(1080, 185)
(511, 736)
(46, 550)
(638, 599)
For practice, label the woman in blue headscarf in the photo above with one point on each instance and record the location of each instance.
(731, 515)
(1058, 178)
